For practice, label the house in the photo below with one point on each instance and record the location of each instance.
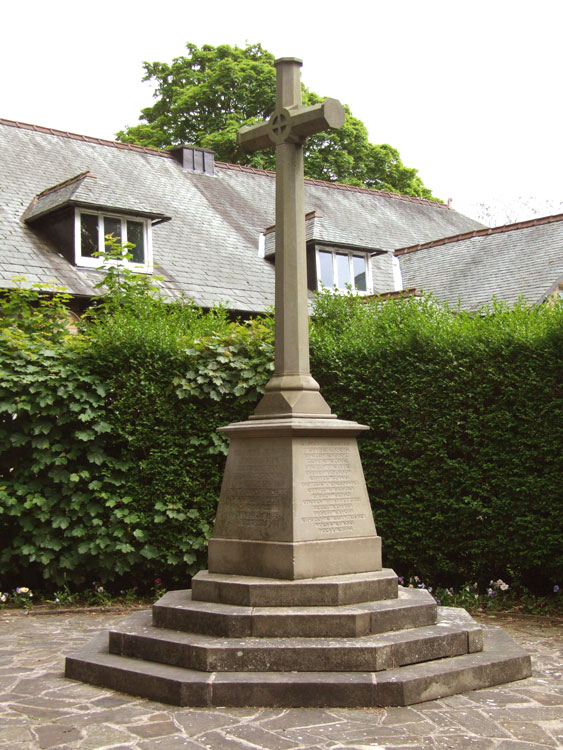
(523, 260)
(205, 227)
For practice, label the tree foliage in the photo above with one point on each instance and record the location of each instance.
(205, 97)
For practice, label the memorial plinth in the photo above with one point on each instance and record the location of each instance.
(294, 503)
(296, 609)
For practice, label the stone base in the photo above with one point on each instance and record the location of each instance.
(228, 644)
(294, 560)
(327, 591)
(500, 661)
(294, 502)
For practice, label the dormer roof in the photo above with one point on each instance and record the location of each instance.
(85, 191)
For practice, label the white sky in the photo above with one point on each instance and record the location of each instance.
(468, 91)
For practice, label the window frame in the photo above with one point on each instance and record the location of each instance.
(334, 251)
(89, 262)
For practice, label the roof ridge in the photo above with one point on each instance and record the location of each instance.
(222, 164)
(336, 185)
(85, 138)
(480, 233)
(65, 183)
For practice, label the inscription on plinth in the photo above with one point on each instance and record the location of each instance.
(256, 494)
(334, 500)
(293, 489)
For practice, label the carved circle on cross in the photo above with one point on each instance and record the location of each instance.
(280, 128)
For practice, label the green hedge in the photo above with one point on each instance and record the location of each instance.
(110, 465)
(463, 460)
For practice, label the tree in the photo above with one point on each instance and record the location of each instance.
(204, 99)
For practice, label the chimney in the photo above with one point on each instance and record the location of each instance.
(194, 159)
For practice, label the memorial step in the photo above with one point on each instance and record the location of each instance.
(248, 591)
(451, 636)
(500, 661)
(178, 611)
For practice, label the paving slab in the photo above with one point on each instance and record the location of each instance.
(517, 716)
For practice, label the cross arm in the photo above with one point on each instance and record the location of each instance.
(306, 121)
(254, 137)
(302, 121)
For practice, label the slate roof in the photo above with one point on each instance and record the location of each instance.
(507, 262)
(209, 250)
(85, 191)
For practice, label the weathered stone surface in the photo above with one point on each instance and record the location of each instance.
(54, 735)
(294, 505)
(177, 610)
(501, 661)
(92, 663)
(294, 502)
(11, 735)
(138, 638)
(154, 729)
(461, 618)
(289, 560)
(291, 391)
(247, 591)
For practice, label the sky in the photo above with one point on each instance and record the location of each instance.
(468, 92)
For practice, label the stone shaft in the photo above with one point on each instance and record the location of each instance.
(292, 390)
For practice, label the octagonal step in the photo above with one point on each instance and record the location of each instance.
(501, 660)
(178, 611)
(451, 636)
(248, 591)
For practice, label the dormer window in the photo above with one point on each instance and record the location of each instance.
(92, 228)
(76, 216)
(347, 271)
(331, 264)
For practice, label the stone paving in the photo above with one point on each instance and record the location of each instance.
(39, 708)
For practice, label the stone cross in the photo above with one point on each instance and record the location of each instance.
(291, 391)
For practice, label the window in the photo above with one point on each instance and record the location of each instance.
(92, 228)
(343, 270)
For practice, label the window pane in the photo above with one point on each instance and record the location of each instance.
(135, 235)
(343, 270)
(112, 226)
(360, 275)
(88, 235)
(325, 268)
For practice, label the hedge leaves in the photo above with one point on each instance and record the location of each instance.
(110, 464)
